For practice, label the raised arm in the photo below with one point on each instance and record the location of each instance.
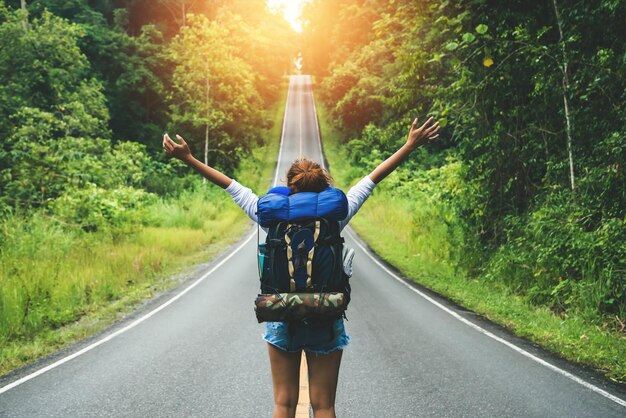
(182, 152)
(418, 136)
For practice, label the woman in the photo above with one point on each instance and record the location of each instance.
(323, 354)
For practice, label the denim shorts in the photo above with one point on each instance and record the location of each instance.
(320, 337)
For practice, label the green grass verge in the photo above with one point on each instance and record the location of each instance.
(423, 254)
(59, 286)
(97, 281)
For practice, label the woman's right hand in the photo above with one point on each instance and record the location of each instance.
(420, 135)
(172, 149)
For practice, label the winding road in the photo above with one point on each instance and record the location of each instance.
(198, 351)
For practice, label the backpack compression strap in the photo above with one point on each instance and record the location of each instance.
(304, 245)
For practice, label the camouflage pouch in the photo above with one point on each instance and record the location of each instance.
(285, 307)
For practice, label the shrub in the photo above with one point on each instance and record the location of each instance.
(94, 208)
(556, 257)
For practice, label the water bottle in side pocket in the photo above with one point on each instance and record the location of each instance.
(262, 253)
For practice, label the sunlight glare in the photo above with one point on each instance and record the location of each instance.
(291, 10)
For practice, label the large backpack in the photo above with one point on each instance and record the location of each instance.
(302, 275)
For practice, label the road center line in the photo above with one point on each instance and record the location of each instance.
(302, 410)
(520, 350)
(304, 403)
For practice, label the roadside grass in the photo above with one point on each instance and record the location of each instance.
(59, 285)
(397, 230)
(97, 281)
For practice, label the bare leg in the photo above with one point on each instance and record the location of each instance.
(323, 376)
(286, 380)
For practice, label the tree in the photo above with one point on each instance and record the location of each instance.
(134, 71)
(263, 40)
(568, 129)
(214, 93)
(178, 9)
(43, 68)
(44, 98)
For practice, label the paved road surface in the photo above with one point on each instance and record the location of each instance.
(203, 355)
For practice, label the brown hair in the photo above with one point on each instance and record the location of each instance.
(307, 176)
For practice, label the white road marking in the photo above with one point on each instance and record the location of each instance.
(521, 351)
(126, 328)
(159, 308)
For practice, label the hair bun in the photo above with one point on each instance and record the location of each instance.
(307, 176)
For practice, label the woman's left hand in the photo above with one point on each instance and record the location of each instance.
(424, 134)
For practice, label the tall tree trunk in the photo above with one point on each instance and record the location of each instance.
(178, 6)
(568, 125)
(25, 21)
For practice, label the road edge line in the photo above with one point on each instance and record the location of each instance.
(127, 327)
(509, 344)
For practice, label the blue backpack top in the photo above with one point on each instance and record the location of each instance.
(279, 205)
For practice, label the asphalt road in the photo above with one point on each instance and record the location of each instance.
(202, 354)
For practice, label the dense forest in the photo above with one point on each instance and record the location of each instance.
(528, 176)
(90, 208)
(81, 77)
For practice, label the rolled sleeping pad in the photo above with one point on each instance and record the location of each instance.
(275, 206)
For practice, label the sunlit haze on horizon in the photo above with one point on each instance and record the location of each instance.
(291, 10)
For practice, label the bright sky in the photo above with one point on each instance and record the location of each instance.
(291, 9)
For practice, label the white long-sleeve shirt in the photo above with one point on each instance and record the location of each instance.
(357, 195)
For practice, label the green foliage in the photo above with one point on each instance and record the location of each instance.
(263, 40)
(189, 209)
(556, 257)
(95, 208)
(134, 72)
(493, 74)
(131, 69)
(23, 244)
(43, 171)
(54, 158)
(42, 68)
(356, 91)
(60, 81)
